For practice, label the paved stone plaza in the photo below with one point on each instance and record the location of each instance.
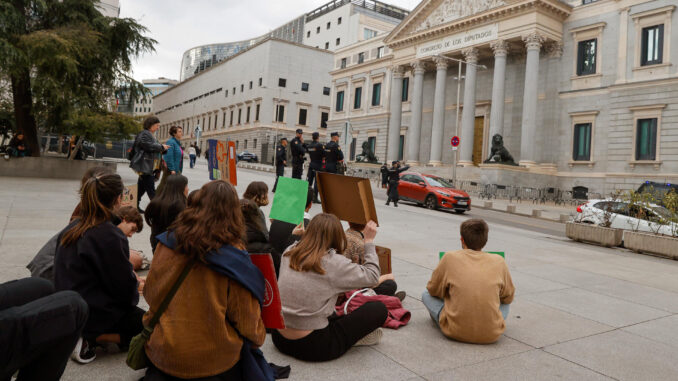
(580, 312)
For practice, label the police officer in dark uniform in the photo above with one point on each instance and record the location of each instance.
(280, 161)
(316, 151)
(393, 181)
(298, 154)
(333, 154)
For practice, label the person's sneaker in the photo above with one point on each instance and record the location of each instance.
(400, 295)
(83, 352)
(372, 338)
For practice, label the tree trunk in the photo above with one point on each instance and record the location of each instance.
(23, 106)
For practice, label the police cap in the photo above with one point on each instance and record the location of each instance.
(316, 135)
(285, 139)
(300, 131)
(334, 134)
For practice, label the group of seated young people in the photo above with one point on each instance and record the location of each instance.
(215, 315)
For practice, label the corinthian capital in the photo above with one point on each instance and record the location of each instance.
(500, 48)
(397, 71)
(418, 67)
(470, 55)
(533, 41)
(441, 63)
(555, 49)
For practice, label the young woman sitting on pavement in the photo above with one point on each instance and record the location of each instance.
(355, 251)
(257, 235)
(216, 311)
(166, 206)
(92, 258)
(257, 191)
(312, 275)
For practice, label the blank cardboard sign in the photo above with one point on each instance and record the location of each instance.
(384, 254)
(348, 198)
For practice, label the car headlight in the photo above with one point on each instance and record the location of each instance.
(443, 193)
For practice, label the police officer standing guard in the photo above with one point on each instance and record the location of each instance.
(298, 155)
(316, 151)
(280, 161)
(333, 154)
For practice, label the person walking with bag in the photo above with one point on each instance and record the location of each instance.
(146, 157)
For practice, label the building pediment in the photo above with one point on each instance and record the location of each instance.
(450, 10)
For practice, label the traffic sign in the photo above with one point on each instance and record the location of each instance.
(455, 141)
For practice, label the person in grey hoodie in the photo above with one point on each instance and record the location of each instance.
(312, 275)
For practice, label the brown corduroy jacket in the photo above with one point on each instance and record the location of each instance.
(196, 336)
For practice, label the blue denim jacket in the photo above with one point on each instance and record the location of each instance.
(173, 156)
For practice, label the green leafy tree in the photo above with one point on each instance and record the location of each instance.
(65, 62)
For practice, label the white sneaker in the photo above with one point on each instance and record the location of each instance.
(371, 338)
(83, 352)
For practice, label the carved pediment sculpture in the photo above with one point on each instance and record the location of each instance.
(450, 10)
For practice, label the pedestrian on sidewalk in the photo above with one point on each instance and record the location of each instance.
(393, 182)
(92, 258)
(280, 161)
(312, 275)
(146, 158)
(39, 328)
(469, 293)
(192, 154)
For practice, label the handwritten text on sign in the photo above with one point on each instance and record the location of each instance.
(459, 41)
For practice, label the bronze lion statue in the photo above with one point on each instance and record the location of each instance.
(498, 153)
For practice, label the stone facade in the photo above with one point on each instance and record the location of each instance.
(523, 79)
(239, 98)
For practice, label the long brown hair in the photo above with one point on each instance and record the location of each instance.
(324, 232)
(98, 196)
(214, 220)
(257, 191)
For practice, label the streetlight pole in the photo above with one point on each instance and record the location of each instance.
(456, 122)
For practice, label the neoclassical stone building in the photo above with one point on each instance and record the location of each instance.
(584, 92)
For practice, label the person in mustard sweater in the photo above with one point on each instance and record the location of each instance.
(469, 293)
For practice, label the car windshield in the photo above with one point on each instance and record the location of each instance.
(438, 182)
(663, 212)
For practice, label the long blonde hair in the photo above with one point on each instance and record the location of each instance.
(324, 232)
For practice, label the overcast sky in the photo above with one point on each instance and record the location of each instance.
(179, 25)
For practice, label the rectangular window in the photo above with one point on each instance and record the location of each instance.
(237, 144)
(209, 122)
(256, 113)
(250, 85)
(280, 114)
(401, 146)
(380, 52)
(324, 116)
(372, 143)
(317, 30)
(231, 123)
(586, 57)
(216, 118)
(326, 91)
(239, 115)
(652, 46)
(254, 143)
(242, 87)
(376, 94)
(261, 80)
(223, 121)
(582, 142)
(308, 34)
(328, 25)
(646, 139)
(338, 41)
(282, 82)
(203, 124)
(340, 101)
(369, 33)
(406, 88)
(248, 114)
(234, 91)
(226, 94)
(327, 45)
(304, 86)
(354, 141)
(302, 116)
(245, 143)
(357, 99)
(339, 21)
(361, 57)
(343, 63)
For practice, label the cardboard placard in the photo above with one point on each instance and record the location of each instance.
(221, 163)
(271, 310)
(440, 254)
(129, 196)
(384, 254)
(289, 201)
(348, 198)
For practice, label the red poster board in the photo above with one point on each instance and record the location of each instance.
(271, 311)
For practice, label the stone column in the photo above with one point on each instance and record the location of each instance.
(438, 113)
(468, 113)
(500, 48)
(533, 43)
(414, 132)
(396, 110)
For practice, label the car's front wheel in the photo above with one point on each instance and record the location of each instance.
(431, 202)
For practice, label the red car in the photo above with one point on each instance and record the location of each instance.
(433, 192)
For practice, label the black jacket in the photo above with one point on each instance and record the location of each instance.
(257, 243)
(316, 151)
(97, 267)
(146, 150)
(280, 156)
(298, 151)
(333, 153)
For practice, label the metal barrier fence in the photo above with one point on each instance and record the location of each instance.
(523, 194)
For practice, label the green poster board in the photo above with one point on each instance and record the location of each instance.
(289, 201)
(440, 254)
